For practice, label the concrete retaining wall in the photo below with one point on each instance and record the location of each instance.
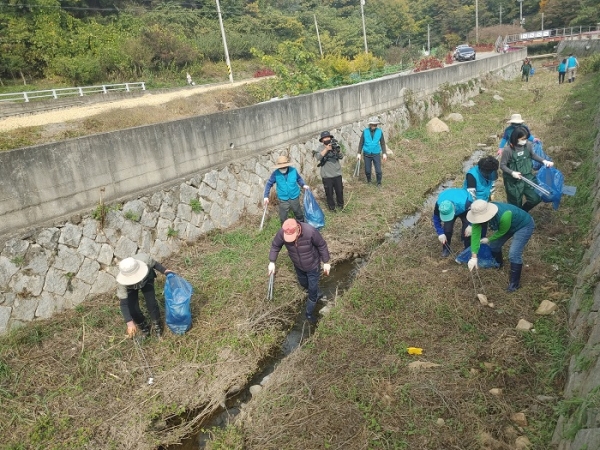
(581, 428)
(45, 182)
(179, 180)
(582, 48)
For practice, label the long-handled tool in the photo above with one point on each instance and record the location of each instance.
(145, 365)
(536, 186)
(262, 222)
(357, 169)
(270, 288)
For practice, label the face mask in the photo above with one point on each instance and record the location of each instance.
(283, 170)
(326, 143)
(522, 142)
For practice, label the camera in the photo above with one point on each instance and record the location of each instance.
(334, 154)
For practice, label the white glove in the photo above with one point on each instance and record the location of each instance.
(484, 241)
(548, 163)
(468, 231)
(271, 268)
(306, 186)
(385, 156)
(358, 156)
(516, 174)
(265, 201)
(326, 268)
(472, 263)
(499, 152)
(473, 193)
(442, 238)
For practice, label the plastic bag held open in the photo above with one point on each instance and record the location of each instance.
(178, 293)
(312, 211)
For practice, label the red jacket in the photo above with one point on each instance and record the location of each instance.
(306, 252)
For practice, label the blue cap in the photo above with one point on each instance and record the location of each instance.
(446, 210)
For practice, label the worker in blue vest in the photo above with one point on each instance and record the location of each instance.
(480, 179)
(288, 182)
(372, 147)
(451, 204)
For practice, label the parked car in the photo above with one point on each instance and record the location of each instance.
(464, 54)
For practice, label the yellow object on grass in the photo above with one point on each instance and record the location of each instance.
(414, 350)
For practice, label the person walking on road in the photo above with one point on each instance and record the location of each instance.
(329, 156)
(307, 249)
(372, 146)
(516, 164)
(136, 274)
(507, 221)
(288, 182)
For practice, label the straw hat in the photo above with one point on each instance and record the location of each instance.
(291, 230)
(446, 210)
(374, 120)
(131, 271)
(481, 211)
(282, 161)
(516, 118)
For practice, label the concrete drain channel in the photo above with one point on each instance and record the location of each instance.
(341, 278)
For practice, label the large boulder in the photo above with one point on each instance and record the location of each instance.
(435, 125)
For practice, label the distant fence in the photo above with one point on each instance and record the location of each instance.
(72, 91)
(556, 33)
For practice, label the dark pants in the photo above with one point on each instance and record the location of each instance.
(376, 160)
(294, 205)
(449, 229)
(561, 77)
(310, 281)
(331, 185)
(133, 303)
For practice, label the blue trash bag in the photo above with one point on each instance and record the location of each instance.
(485, 260)
(313, 213)
(531, 72)
(178, 293)
(552, 180)
(539, 150)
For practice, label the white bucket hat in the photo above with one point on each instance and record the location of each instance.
(481, 211)
(131, 271)
(374, 120)
(516, 118)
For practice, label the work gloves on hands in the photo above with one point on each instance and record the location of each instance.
(326, 268)
(516, 174)
(385, 156)
(468, 231)
(473, 193)
(358, 156)
(472, 263)
(442, 238)
(131, 329)
(484, 241)
(548, 163)
(265, 201)
(306, 187)
(271, 268)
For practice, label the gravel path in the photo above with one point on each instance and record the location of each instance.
(79, 112)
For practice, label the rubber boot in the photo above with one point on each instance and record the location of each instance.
(515, 277)
(157, 329)
(446, 246)
(527, 206)
(499, 258)
(310, 309)
(144, 329)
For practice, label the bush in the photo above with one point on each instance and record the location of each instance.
(590, 64)
(80, 70)
(429, 62)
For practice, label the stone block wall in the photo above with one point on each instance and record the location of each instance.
(46, 270)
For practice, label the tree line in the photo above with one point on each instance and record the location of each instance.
(89, 41)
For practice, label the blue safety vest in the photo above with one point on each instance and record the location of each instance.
(458, 196)
(483, 191)
(371, 144)
(287, 184)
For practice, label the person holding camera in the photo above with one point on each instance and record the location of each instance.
(331, 170)
(372, 146)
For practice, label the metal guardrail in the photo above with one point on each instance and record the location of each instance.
(556, 33)
(74, 91)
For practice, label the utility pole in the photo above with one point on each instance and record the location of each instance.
(362, 12)
(224, 43)
(500, 14)
(542, 21)
(428, 42)
(476, 22)
(520, 12)
(318, 37)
